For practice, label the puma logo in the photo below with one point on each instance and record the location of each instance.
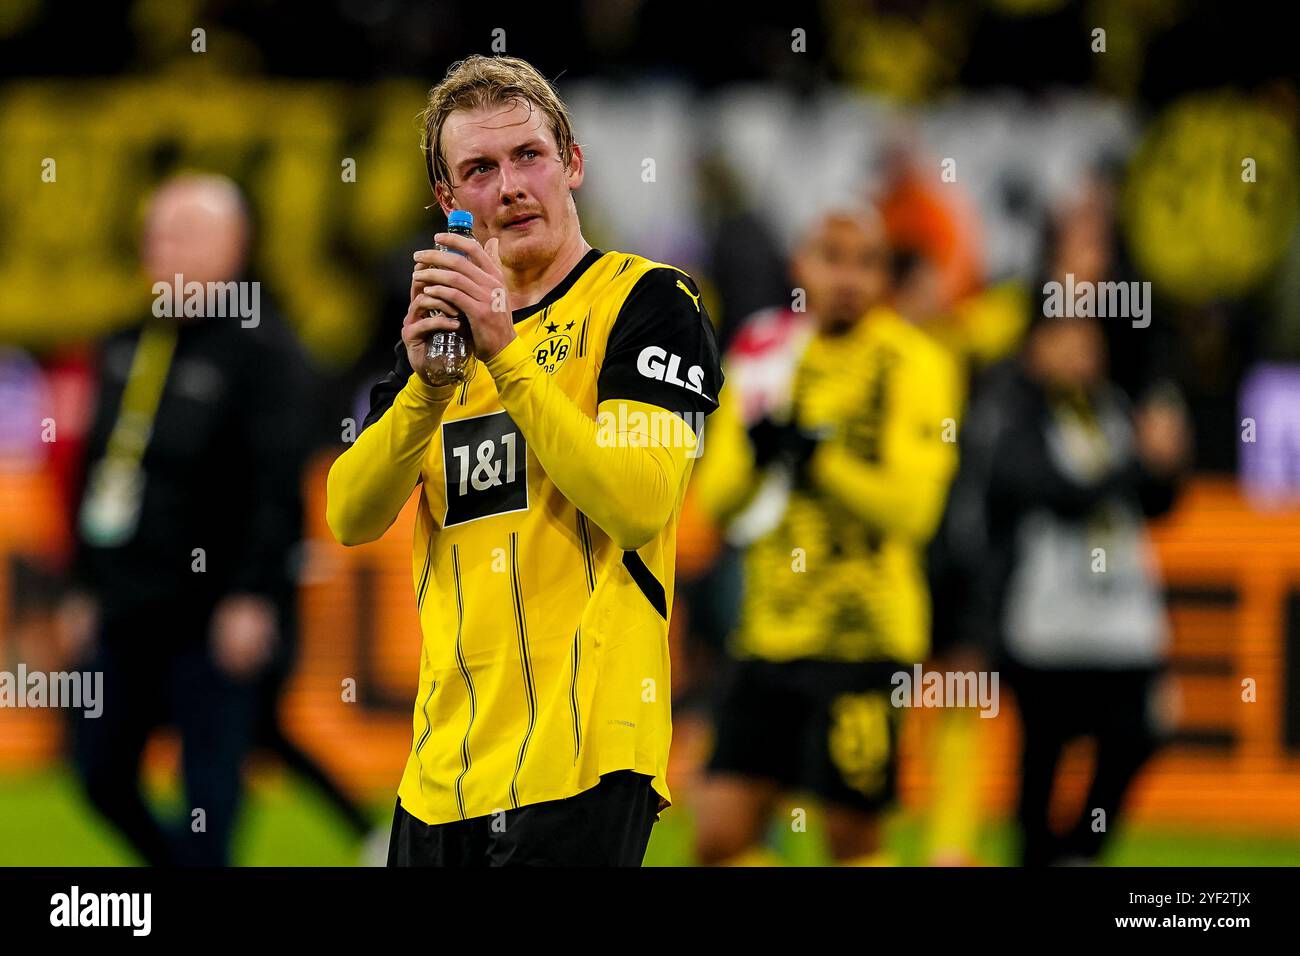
(694, 298)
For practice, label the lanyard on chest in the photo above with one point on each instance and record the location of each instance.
(110, 511)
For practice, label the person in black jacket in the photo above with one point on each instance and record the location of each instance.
(1046, 555)
(187, 525)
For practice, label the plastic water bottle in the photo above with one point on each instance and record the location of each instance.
(450, 354)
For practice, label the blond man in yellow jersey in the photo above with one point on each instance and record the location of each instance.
(549, 489)
(828, 462)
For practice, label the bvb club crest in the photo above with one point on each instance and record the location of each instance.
(551, 351)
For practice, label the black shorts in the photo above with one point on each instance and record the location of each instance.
(608, 825)
(823, 727)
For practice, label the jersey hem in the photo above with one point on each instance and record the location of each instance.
(660, 788)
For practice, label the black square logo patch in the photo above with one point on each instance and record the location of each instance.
(485, 460)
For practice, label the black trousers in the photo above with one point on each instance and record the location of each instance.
(158, 670)
(1057, 706)
(608, 825)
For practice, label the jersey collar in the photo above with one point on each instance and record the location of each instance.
(585, 263)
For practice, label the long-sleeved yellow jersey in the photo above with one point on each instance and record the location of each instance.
(839, 574)
(545, 539)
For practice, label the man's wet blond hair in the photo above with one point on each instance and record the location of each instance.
(479, 81)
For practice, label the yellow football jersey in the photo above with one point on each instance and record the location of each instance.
(545, 539)
(838, 572)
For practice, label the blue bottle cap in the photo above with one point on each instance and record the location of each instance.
(460, 219)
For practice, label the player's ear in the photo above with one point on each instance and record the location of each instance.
(445, 199)
(576, 169)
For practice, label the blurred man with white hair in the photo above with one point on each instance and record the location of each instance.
(185, 527)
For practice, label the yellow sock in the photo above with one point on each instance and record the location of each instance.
(879, 858)
(754, 856)
(954, 820)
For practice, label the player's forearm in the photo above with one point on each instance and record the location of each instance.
(724, 492)
(906, 504)
(371, 481)
(725, 479)
(628, 491)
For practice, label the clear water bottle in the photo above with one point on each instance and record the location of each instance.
(449, 355)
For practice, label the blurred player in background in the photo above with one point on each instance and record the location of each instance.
(543, 554)
(828, 458)
(186, 529)
(1056, 479)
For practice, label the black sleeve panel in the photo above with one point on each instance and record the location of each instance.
(662, 349)
(386, 389)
